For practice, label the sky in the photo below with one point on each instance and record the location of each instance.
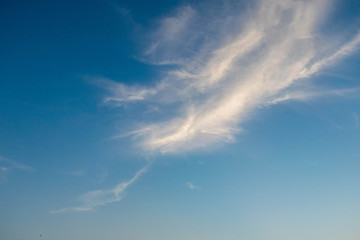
(180, 119)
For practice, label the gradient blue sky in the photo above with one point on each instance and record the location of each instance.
(180, 120)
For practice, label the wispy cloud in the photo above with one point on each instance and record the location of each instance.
(76, 173)
(6, 165)
(228, 66)
(17, 165)
(93, 199)
(167, 40)
(3, 172)
(191, 186)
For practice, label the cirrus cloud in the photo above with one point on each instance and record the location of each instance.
(229, 68)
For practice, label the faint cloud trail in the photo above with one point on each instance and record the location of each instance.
(75, 173)
(93, 199)
(17, 165)
(7, 165)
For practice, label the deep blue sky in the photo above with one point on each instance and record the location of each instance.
(208, 125)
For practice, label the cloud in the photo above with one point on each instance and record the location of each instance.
(7, 165)
(310, 93)
(3, 172)
(16, 165)
(229, 64)
(191, 186)
(172, 29)
(76, 173)
(93, 199)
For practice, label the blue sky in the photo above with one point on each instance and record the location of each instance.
(180, 120)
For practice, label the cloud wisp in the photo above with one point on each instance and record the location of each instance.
(6, 165)
(94, 199)
(232, 64)
(192, 186)
(75, 173)
(16, 165)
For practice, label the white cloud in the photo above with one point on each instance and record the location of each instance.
(15, 165)
(191, 186)
(172, 29)
(93, 199)
(7, 165)
(239, 66)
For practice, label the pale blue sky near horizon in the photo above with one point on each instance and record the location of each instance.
(180, 120)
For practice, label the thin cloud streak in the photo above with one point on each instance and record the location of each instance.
(17, 165)
(310, 94)
(268, 59)
(7, 165)
(76, 173)
(97, 198)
